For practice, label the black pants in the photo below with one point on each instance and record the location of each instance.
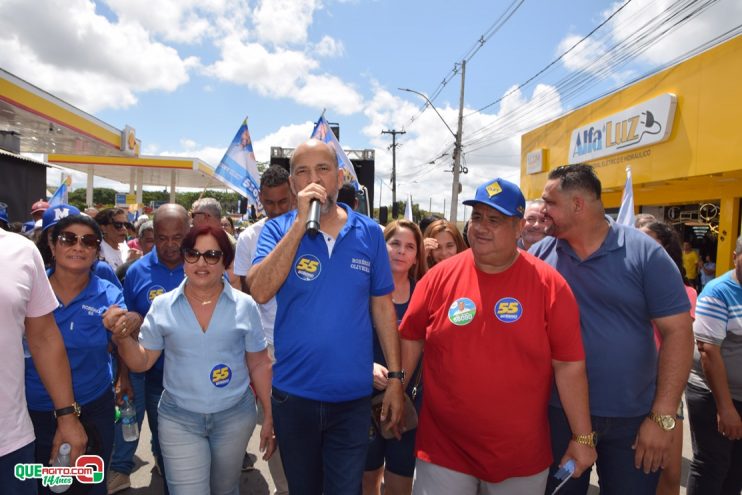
(716, 468)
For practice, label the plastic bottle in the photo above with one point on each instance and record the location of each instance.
(62, 460)
(129, 426)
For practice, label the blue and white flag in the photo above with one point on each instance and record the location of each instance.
(323, 132)
(61, 194)
(626, 213)
(239, 168)
(408, 208)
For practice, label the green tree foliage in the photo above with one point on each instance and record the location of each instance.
(106, 198)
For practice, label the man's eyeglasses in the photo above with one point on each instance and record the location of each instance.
(194, 214)
(119, 225)
(211, 257)
(69, 239)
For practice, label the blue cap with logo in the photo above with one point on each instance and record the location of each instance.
(55, 213)
(502, 195)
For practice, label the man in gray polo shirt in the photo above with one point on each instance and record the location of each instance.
(624, 282)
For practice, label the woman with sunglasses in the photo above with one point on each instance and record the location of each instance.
(215, 350)
(50, 218)
(114, 250)
(84, 300)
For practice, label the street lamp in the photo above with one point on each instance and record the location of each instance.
(457, 145)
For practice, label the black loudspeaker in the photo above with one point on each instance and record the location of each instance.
(383, 215)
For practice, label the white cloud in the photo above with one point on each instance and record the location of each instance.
(179, 21)
(329, 47)
(283, 73)
(86, 60)
(593, 53)
(498, 155)
(283, 22)
(584, 56)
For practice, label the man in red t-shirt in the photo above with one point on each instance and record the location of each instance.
(497, 325)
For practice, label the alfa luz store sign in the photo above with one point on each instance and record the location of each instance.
(641, 125)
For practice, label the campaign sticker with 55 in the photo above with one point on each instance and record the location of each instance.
(88, 469)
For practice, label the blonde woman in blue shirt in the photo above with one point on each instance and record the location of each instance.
(215, 349)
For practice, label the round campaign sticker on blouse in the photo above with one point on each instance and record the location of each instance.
(462, 311)
(307, 267)
(508, 310)
(221, 375)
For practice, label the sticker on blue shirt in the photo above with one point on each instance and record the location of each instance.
(154, 291)
(462, 311)
(307, 267)
(508, 310)
(221, 375)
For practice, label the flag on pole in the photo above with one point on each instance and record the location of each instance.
(60, 196)
(323, 132)
(626, 213)
(239, 169)
(408, 208)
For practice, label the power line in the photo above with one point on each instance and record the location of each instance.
(618, 54)
(483, 39)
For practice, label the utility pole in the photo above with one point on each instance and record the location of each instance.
(394, 133)
(457, 150)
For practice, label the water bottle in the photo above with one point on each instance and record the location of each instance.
(129, 426)
(62, 460)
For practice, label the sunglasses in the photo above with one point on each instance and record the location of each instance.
(69, 239)
(211, 257)
(119, 225)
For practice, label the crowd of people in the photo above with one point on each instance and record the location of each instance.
(544, 338)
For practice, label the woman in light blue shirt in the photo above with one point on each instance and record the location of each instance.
(215, 349)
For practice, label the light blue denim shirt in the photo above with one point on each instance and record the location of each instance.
(205, 372)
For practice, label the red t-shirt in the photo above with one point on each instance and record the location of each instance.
(489, 344)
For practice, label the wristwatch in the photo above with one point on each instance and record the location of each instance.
(664, 421)
(73, 409)
(588, 439)
(396, 374)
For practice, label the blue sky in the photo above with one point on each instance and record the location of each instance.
(185, 73)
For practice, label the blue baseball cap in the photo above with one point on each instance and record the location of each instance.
(55, 213)
(28, 227)
(502, 195)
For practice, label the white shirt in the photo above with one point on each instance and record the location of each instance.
(114, 257)
(25, 292)
(244, 254)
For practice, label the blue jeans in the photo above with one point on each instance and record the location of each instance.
(147, 391)
(9, 483)
(323, 444)
(97, 418)
(203, 452)
(616, 471)
(717, 461)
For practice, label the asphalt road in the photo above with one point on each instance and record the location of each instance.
(257, 481)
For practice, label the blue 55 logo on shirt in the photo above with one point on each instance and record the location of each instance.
(307, 267)
(154, 291)
(508, 310)
(221, 375)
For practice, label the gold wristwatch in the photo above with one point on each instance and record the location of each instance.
(664, 421)
(588, 439)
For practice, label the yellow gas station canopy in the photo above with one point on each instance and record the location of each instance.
(74, 139)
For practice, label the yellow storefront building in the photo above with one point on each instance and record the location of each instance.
(680, 132)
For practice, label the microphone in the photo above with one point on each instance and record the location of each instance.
(313, 220)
